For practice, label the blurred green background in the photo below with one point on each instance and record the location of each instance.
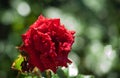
(96, 50)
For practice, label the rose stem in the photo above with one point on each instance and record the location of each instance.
(38, 73)
(18, 75)
(48, 74)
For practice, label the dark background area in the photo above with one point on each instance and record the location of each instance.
(96, 50)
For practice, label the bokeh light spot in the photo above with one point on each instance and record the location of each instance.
(23, 9)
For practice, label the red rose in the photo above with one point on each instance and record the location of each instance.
(47, 44)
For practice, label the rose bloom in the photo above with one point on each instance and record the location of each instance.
(47, 43)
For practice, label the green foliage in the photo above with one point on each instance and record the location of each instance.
(84, 76)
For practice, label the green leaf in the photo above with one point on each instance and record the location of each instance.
(85, 76)
(17, 63)
(55, 76)
(61, 73)
(30, 77)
